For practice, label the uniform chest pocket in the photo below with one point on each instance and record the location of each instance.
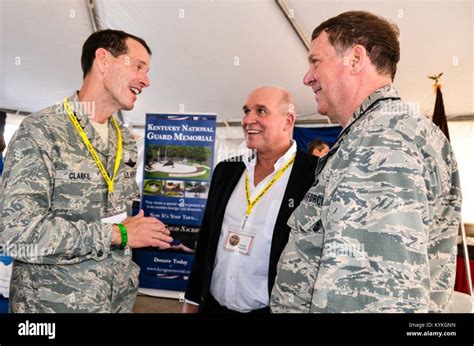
(127, 184)
(308, 231)
(78, 193)
(307, 217)
(129, 172)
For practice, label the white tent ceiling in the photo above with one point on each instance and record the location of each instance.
(208, 55)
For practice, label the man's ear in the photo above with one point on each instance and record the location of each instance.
(290, 120)
(357, 58)
(101, 59)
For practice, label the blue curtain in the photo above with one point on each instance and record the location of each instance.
(303, 135)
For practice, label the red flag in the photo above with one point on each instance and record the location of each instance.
(439, 115)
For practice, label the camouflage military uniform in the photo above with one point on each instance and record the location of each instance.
(377, 230)
(54, 197)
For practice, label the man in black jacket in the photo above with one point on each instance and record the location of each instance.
(251, 197)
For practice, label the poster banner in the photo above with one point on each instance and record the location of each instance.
(178, 163)
(6, 265)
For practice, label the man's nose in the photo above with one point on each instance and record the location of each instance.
(145, 81)
(308, 78)
(248, 119)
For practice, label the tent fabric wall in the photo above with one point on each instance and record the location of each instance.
(208, 55)
(230, 142)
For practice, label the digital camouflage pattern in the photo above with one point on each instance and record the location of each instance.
(54, 198)
(377, 231)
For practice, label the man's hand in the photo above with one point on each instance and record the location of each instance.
(143, 231)
(190, 308)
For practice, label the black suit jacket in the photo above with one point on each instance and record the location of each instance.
(224, 179)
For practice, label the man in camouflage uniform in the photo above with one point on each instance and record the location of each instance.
(377, 230)
(58, 214)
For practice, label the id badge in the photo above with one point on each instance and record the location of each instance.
(237, 241)
(115, 218)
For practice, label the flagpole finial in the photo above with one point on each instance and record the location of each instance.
(436, 84)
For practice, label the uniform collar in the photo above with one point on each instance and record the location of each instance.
(387, 91)
(78, 107)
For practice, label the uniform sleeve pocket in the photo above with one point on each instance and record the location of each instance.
(306, 219)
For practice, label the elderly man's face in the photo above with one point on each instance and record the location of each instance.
(327, 75)
(127, 75)
(266, 123)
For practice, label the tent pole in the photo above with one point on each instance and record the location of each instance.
(96, 27)
(289, 15)
(93, 15)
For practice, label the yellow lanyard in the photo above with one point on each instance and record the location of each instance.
(251, 204)
(108, 180)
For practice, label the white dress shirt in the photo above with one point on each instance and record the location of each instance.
(240, 280)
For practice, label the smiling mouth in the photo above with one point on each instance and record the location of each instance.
(135, 91)
(253, 132)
